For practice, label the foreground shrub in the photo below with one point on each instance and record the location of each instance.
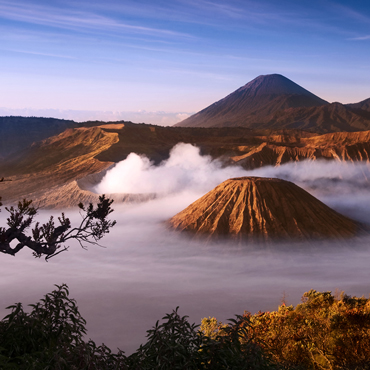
(177, 344)
(323, 332)
(51, 337)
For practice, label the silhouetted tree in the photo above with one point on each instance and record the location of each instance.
(49, 239)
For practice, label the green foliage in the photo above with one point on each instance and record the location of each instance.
(51, 337)
(323, 332)
(177, 344)
(174, 344)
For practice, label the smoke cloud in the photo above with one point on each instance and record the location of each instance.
(146, 270)
(185, 169)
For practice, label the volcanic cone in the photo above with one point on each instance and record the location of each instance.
(264, 209)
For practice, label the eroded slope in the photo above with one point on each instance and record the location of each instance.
(255, 208)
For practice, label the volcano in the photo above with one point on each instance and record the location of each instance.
(262, 209)
(275, 102)
(254, 103)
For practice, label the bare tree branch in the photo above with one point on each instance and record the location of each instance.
(48, 239)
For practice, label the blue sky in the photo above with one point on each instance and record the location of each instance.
(161, 60)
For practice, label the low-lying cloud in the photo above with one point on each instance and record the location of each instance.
(187, 170)
(146, 270)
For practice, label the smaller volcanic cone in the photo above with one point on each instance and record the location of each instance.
(264, 209)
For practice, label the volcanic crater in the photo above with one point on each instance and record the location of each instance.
(263, 209)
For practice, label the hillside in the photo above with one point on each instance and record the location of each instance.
(55, 161)
(77, 153)
(276, 150)
(363, 105)
(328, 118)
(17, 133)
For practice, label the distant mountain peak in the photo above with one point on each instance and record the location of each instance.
(274, 84)
(254, 103)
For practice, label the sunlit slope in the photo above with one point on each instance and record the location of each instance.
(262, 209)
(278, 149)
(83, 149)
(56, 161)
(242, 146)
(79, 152)
(248, 148)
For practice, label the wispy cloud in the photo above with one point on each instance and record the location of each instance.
(41, 54)
(76, 20)
(204, 12)
(244, 15)
(110, 17)
(226, 9)
(183, 11)
(360, 38)
(349, 12)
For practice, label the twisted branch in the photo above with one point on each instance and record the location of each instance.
(47, 239)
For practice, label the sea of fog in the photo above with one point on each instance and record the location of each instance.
(146, 271)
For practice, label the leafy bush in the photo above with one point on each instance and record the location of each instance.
(323, 332)
(174, 344)
(51, 337)
(177, 344)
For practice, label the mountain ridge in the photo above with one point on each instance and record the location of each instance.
(17, 133)
(275, 102)
(79, 152)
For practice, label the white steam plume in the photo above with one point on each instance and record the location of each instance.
(185, 169)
